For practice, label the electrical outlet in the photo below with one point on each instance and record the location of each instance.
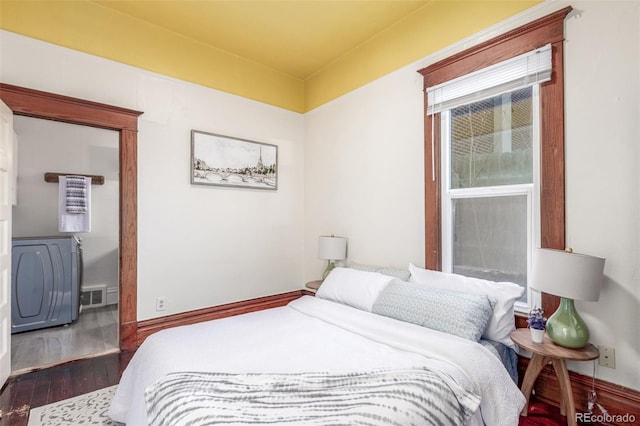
(607, 356)
(160, 303)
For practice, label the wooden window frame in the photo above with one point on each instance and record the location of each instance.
(546, 30)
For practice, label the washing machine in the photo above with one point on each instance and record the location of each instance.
(46, 276)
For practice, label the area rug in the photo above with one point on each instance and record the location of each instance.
(87, 409)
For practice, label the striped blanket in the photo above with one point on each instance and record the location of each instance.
(383, 397)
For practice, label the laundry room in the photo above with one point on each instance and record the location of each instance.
(65, 231)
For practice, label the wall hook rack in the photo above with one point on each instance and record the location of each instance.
(54, 177)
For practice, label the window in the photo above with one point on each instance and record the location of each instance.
(490, 190)
(477, 180)
(489, 139)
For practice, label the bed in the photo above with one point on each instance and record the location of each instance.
(356, 354)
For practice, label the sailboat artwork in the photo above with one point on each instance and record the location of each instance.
(228, 161)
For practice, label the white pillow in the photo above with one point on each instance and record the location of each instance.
(352, 287)
(502, 321)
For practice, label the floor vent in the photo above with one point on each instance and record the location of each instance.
(93, 297)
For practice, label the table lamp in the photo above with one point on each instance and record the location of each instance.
(571, 276)
(331, 249)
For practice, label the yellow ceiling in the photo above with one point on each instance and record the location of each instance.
(295, 54)
(295, 37)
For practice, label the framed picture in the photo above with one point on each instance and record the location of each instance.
(233, 162)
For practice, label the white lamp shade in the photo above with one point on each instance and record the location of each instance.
(332, 248)
(569, 275)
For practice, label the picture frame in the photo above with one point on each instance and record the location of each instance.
(232, 162)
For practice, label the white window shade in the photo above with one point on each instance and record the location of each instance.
(524, 70)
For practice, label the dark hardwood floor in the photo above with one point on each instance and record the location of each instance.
(41, 387)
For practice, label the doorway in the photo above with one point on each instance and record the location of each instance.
(51, 146)
(37, 104)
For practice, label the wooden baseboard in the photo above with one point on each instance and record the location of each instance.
(616, 399)
(148, 327)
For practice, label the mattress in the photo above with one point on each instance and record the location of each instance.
(315, 335)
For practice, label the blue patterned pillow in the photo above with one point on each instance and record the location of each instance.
(462, 314)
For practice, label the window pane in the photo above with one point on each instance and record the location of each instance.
(491, 141)
(490, 238)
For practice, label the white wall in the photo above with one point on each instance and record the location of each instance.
(364, 167)
(50, 146)
(198, 246)
(364, 171)
(602, 110)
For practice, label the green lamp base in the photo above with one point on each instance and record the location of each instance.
(566, 328)
(330, 267)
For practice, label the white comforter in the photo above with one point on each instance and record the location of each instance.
(312, 334)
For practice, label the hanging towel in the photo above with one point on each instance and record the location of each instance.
(76, 200)
(77, 221)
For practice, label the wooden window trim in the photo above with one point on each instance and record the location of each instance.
(546, 30)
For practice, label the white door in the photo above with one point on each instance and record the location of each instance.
(6, 197)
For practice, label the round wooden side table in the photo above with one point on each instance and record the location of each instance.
(313, 285)
(542, 354)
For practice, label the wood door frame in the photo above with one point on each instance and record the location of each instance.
(49, 106)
